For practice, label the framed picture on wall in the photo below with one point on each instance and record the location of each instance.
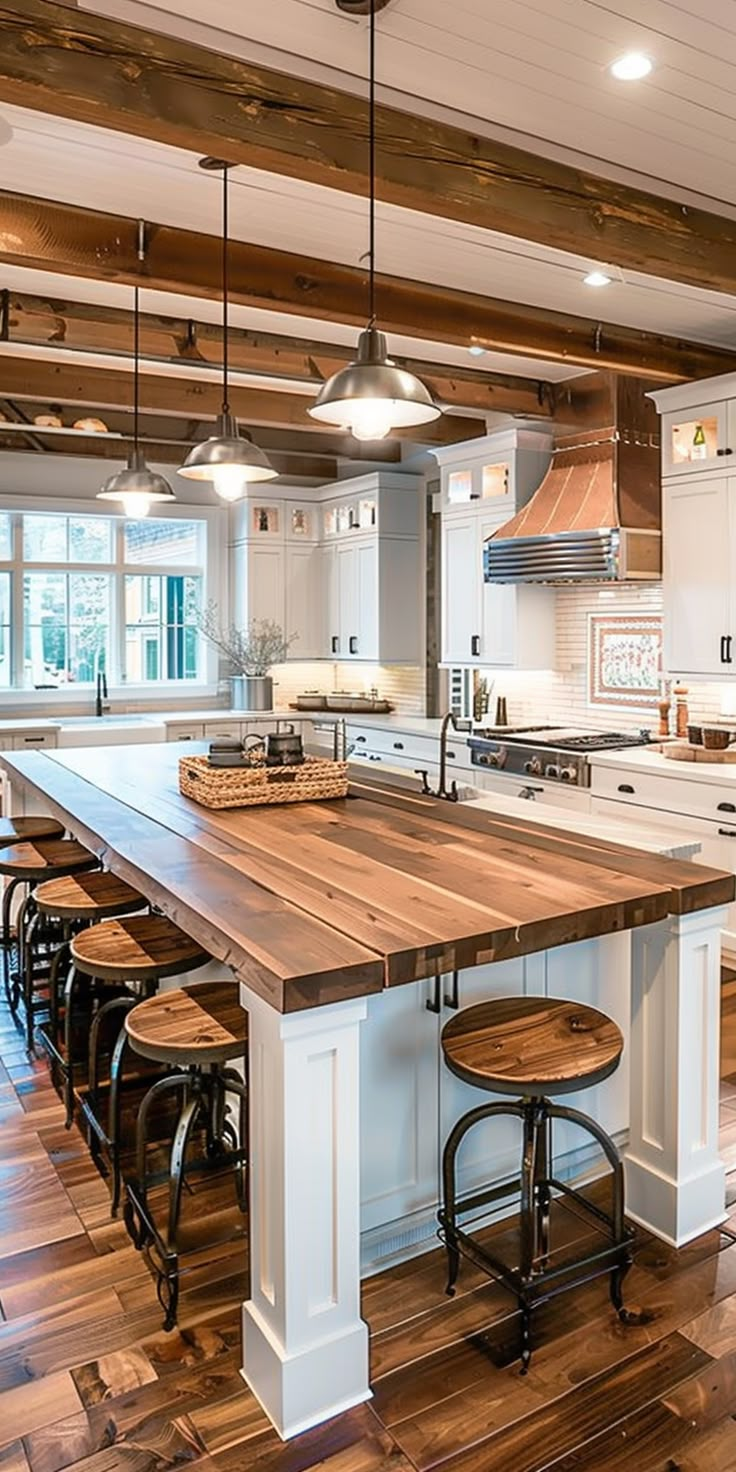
(624, 659)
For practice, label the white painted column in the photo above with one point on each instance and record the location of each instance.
(675, 1179)
(305, 1346)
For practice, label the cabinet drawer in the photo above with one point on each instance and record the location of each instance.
(212, 729)
(415, 747)
(668, 794)
(194, 732)
(31, 739)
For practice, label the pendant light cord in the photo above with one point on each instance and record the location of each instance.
(225, 291)
(136, 368)
(372, 167)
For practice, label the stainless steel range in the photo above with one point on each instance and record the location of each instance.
(551, 753)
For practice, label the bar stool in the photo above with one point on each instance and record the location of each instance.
(126, 958)
(534, 1047)
(194, 1031)
(19, 830)
(29, 862)
(64, 907)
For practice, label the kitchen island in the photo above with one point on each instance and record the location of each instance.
(333, 915)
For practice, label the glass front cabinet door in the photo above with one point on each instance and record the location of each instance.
(699, 439)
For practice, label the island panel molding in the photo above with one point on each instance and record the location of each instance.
(112, 75)
(74, 241)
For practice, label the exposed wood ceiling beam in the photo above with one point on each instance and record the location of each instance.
(315, 470)
(119, 76)
(50, 322)
(110, 388)
(80, 242)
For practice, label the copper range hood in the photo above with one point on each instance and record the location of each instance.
(596, 517)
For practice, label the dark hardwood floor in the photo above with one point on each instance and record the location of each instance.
(89, 1381)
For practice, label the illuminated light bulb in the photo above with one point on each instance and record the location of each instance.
(229, 482)
(632, 67)
(371, 419)
(596, 278)
(135, 505)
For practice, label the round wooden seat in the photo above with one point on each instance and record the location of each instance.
(143, 948)
(93, 896)
(46, 858)
(18, 830)
(531, 1046)
(195, 1025)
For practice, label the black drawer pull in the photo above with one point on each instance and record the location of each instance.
(727, 832)
(625, 787)
(475, 645)
(398, 746)
(31, 740)
(335, 642)
(726, 807)
(723, 648)
(433, 1003)
(361, 738)
(353, 644)
(451, 755)
(725, 451)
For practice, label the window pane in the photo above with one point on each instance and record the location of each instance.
(90, 539)
(44, 538)
(161, 641)
(67, 626)
(164, 542)
(5, 651)
(6, 537)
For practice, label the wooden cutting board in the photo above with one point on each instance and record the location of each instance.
(684, 752)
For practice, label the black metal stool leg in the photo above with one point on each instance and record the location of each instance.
(114, 1121)
(69, 989)
(30, 928)
(541, 1183)
(8, 894)
(60, 958)
(161, 1086)
(185, 1124)
(234, 1084)
(448, 1214)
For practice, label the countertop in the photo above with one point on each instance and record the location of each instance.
(315, 902)
(409, 725)
(645, 760)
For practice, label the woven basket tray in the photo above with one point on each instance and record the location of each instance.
(243, 787)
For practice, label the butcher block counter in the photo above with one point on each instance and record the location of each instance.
(355, 928)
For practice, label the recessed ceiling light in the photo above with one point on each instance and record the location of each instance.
(475, 350)
(596, 278)
(631, 67)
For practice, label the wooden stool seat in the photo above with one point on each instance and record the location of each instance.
(142, 948)
(46, 858)
(195, 1025)
(531, 1046)
(93, 896)
(17, 830)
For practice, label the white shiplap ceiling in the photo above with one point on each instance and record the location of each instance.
(536, 68)
(93, 167)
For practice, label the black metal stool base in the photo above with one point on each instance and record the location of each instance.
(534, 1281)
(203, 1105)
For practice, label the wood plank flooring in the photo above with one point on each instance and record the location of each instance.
(90, 1383)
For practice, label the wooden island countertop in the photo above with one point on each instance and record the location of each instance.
(313, 903)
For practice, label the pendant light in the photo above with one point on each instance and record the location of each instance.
(372, 396)
(136, 487)
(228, 458)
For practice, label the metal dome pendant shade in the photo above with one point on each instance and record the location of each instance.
(372, 396)
(136, 487)
(228, 459)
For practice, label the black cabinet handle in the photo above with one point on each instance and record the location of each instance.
(353, 644)
(335, 644)
(475, 644)
(361, 738)
(451, 755)
(728, 649)
(625, 787)
(726, 807)
(725, 451)
(33, 740)
(453, 999)
(433, 1003)
(727, 832)
(723, 648)
(398, 746)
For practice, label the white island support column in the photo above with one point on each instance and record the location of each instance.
(305, 1346)
(675, 1179)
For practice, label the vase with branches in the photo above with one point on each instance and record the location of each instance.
(251, 653)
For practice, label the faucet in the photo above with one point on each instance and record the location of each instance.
(101, 693)
(457, 725)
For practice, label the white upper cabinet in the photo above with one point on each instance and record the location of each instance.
(699, 526)
(483, 483)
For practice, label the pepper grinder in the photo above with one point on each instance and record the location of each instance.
(664, 707)
(681, 712)
(501, 716)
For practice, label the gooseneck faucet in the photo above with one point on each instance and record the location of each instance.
(101, 692)
(457, 725)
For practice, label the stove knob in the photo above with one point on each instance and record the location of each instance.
(533, 767)
(552, 770)
(568, 774)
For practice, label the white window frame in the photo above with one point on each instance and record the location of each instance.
(215, 578)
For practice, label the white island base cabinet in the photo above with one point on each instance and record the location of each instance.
(349, 1106)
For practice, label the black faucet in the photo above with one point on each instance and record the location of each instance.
(101, 692)
(457, 725)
